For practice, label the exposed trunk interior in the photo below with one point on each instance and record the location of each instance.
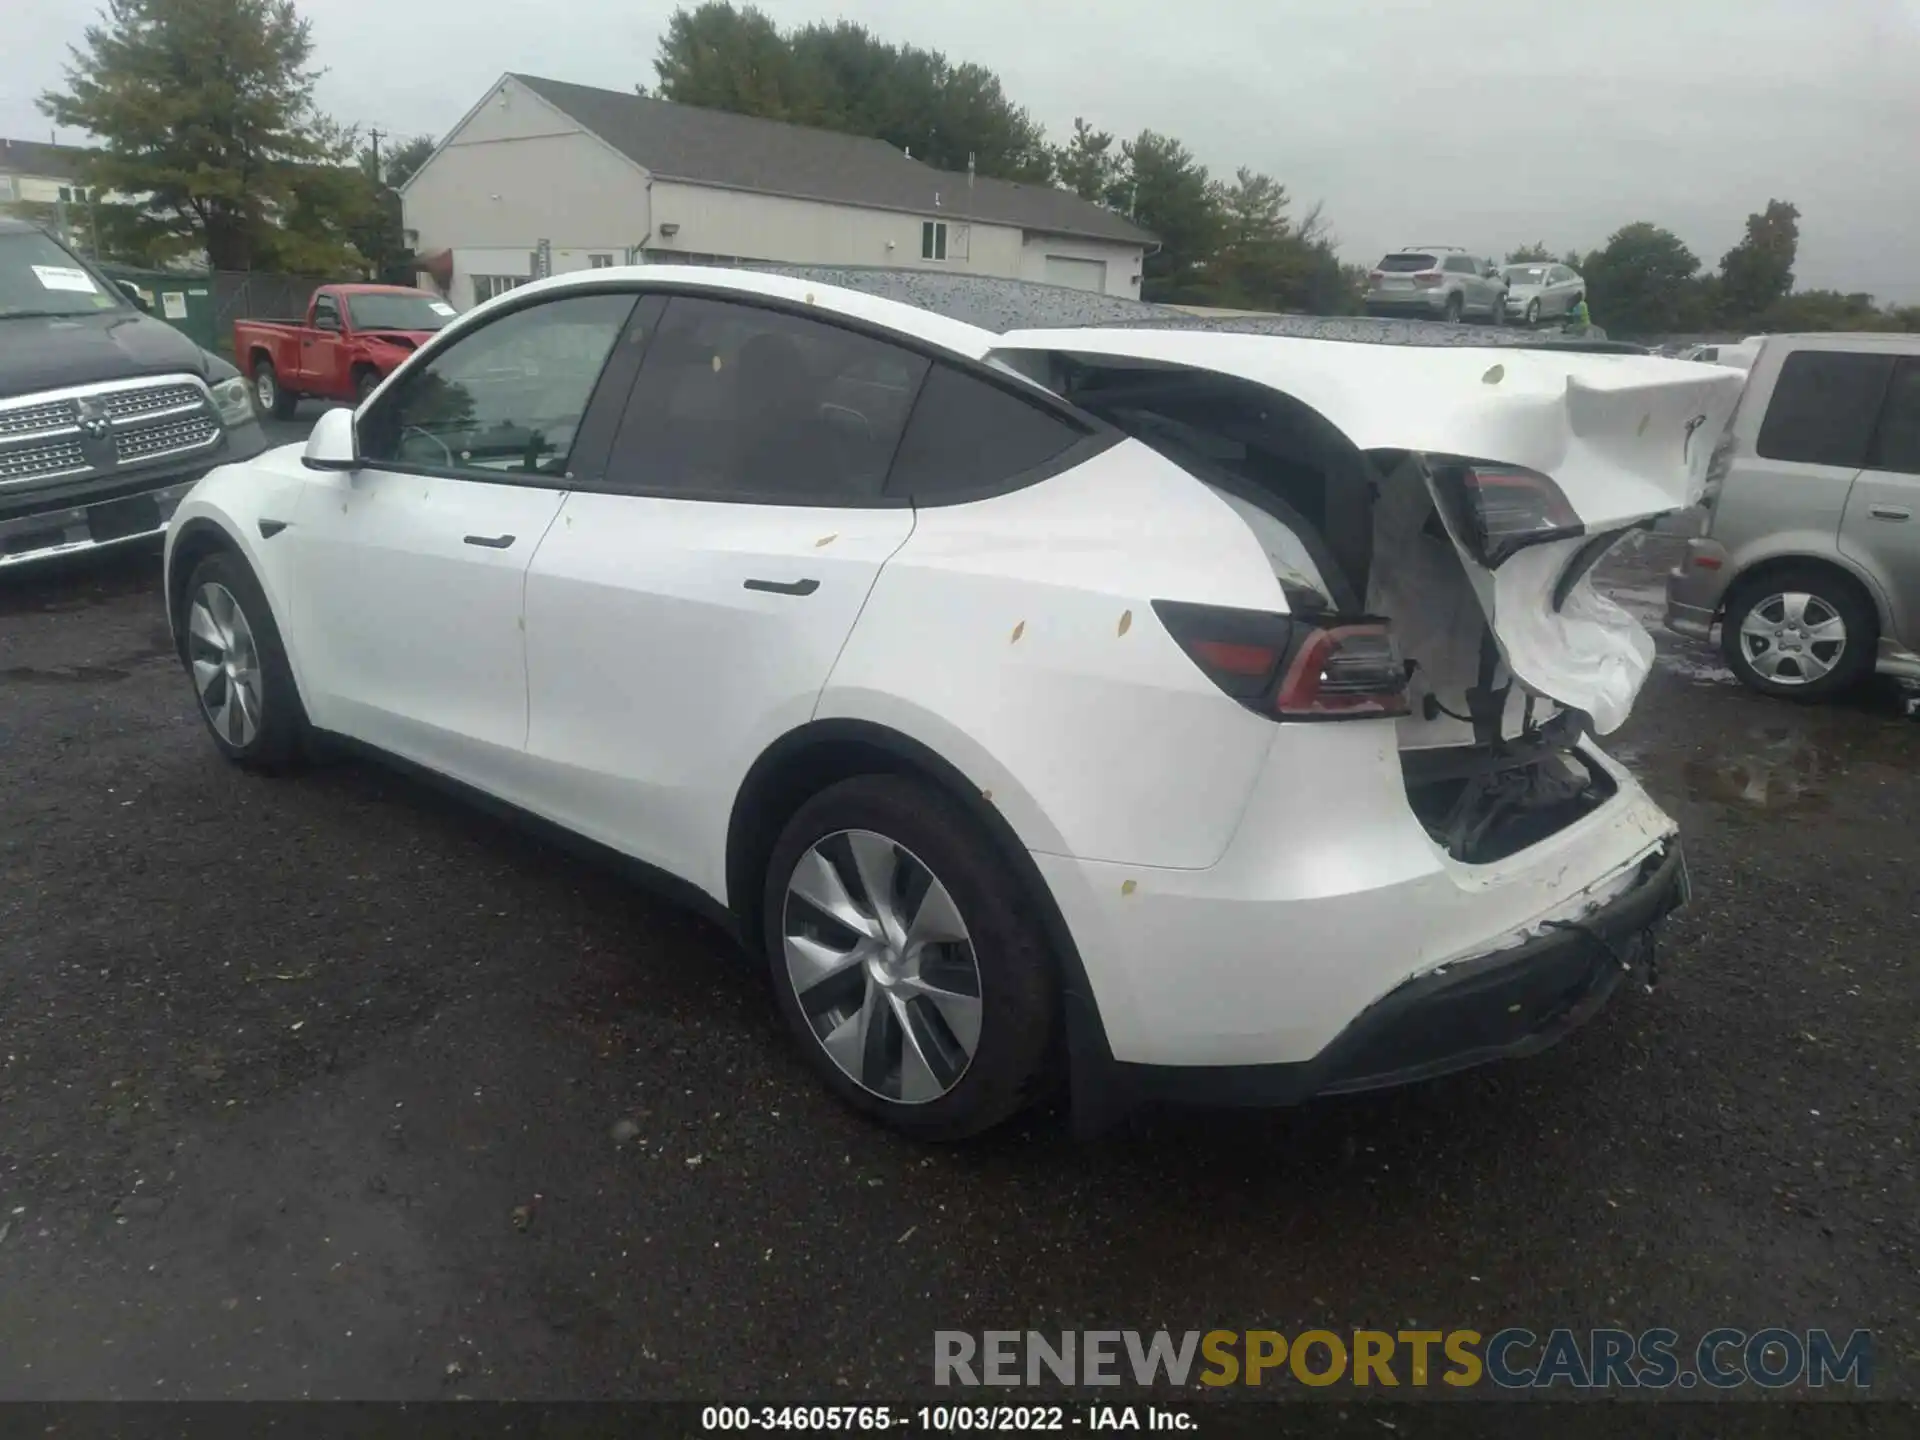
(1489, 767)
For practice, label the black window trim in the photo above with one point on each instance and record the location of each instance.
(339, 326)
(1873, 424)
(1875, 457)
(1099, 435)
(577, 459)
(614, 389)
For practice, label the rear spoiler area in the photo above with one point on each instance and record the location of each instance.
(1626, 436)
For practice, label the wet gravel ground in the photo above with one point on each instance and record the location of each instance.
(327, 1087)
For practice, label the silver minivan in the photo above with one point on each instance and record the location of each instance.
(1809, 560)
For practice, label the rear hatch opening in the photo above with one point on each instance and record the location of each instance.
(1491, 765)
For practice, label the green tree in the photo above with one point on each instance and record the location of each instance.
(1758, 272)
(1642, 282)
(1169, 192)
(206, 110)
(400, 160)
(1534, 254)
(1826, 310)
(1088, 164)
(841, 76)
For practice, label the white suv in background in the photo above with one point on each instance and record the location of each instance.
(1217, 707)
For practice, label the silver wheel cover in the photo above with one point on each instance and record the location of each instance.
(225, 664)
(1793, 638)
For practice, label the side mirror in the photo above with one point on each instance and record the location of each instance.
(132, 292)
(333, 445)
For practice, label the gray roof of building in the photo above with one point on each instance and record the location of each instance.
(1002, 305)
(744, 152)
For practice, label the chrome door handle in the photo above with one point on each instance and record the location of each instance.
(776, 587)
(490, 542)
(1889, 512)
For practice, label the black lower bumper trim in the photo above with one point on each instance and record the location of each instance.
(1510, 1003)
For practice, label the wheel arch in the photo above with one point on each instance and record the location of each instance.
(1756, 569)
(195, 540)
(820, 753)
(255, 355)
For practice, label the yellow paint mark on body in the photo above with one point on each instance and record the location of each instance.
(1018, 631)
(1126, 621)
(1127, 887)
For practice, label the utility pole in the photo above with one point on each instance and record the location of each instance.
(374, 135)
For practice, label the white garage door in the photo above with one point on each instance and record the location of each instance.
(1080, 274)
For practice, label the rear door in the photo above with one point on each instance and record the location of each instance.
(1618, 439)
(1881, 527)
(686, 610)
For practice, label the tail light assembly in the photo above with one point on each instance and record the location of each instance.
(1719, 463)
(1427, 279)
(1498, 509)
(1293, 667)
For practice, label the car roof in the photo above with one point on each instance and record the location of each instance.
(966, 313)
(356, 288)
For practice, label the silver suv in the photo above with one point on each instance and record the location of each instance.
(1440, 282)
(1810, 556)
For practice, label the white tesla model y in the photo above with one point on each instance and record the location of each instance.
(1211, 706)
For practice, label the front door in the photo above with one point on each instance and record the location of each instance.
(1881, 527)
(688, 614)
(408, 574)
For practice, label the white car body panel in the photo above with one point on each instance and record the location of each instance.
(1025, 623)
(656, 678)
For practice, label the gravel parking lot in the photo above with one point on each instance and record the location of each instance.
(327, 1087)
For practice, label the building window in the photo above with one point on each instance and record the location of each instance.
(73, 195)
(485, 287)
(6, 187)
(599, 262)
(933, 240)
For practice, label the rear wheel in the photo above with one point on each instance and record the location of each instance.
(906, 959)
(239, 667)
(1499, 315)
(275, 400)
(1801, 633)
(365, 382)
(1454, 308)
(1533, 312)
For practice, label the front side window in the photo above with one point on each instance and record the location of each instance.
(933, 240)
(742, 402)
(1897, 445)
(1823, 408)
(326, 313)
(506, 399)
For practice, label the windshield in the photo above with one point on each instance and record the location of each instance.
(39, 277)
(1526, 274)
(399, 310)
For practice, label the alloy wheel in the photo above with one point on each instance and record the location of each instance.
(226, 664)
(264, 388)
(882, 965)
(1794, 638)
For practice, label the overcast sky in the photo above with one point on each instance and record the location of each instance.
(1483, 123)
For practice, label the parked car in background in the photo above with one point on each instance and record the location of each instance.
(107, 415)
(1809, 559)
(352, 338)
(995, 685)
(1439, 282)
(1740, 356)
(1537, 292)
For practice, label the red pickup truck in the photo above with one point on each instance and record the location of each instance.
(353, 337)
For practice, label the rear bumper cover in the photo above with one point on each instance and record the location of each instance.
(1512, 1002)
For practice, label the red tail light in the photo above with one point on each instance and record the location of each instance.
(1499, 509)
(1427, 279)
(1292, 667)
(1376, 274)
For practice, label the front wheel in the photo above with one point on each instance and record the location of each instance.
(906, 958)
(1533, 312)
(1801, 633)
(239, 668)
(365, 382)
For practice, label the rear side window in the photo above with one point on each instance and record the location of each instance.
(968, 437)
(742, 402)
(1897, 446)
(1461, 264)
(1823, 408)
(1406, 264)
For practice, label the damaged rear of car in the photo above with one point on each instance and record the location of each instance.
(1438, 864)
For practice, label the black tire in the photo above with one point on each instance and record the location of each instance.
(1015, 969)
(365, 382)
(1455, 307)
(1499, 315)
(1829, 591)
(269, 394)
(278, 738)
(1533, 313)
